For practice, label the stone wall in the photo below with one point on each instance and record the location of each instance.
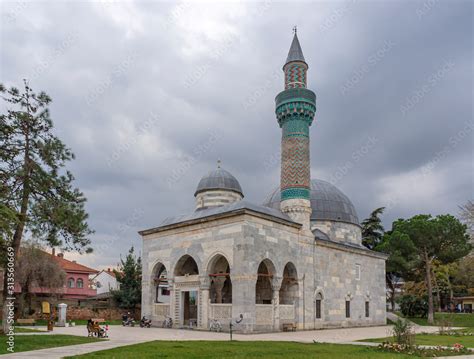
(339, 231)
(338, 281)
(245, 241)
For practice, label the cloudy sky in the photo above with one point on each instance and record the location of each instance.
(150, 94)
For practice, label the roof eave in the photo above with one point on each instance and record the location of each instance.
(237, 212)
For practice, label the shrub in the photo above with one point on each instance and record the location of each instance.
(413, 306)
(403, 333)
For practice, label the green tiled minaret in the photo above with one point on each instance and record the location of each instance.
(295, 109)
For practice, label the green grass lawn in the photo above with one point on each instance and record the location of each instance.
(34, 342)
(236, 349)
(457, 319)
(431, 339)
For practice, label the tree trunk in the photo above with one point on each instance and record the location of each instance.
(18, 235)
(438, 292)
(430, 290)
(391, 286)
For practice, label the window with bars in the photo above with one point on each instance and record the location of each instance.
(348, 308)
(367, 309)
(318, 308)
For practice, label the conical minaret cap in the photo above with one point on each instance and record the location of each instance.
(295, 53)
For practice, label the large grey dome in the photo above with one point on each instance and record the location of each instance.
(219, 179)
(327, 203)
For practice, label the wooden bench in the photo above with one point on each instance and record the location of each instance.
(287, 327)
(26, 321)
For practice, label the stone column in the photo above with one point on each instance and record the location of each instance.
(243, 300)
(276, 286)
(174, 302)
(204, 303)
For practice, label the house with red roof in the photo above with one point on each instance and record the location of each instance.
(77, 285)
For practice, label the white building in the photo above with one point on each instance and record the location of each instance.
(105, 281)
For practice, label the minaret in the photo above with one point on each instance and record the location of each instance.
(295, 109)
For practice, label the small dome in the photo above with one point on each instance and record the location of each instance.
(219, 179)
(327, 202)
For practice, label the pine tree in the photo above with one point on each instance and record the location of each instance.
(427, 240)
(372, 229)
(129, 277)
(36, 191)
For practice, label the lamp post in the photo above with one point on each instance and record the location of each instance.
(231, 325)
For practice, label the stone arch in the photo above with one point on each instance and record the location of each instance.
(319, 294)
(186, 265)
(289, 286)
(218, 269)
(264, 285)
(214, 256)
(160, 284)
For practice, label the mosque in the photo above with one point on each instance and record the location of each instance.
(294, 262)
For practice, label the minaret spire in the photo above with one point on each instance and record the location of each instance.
(295, 109)
(295, 53)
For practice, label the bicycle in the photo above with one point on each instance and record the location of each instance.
(215, 326)
(168, 322)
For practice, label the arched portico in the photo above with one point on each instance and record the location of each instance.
(289, 286)
(264, 286)
(186, 266)
(220, 281)
(160, 293)
(160, 286)
(186, 299)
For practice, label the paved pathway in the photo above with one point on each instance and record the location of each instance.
(120, 336)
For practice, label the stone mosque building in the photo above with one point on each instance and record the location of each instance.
(297, 260)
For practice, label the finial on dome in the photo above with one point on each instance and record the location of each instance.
(218, 163)
(295, 30)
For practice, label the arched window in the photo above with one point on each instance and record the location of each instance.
(70, 283)
(319, 303)
(80, 283)
(221, 284)
(263, 287)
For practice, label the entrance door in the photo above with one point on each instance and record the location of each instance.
(189, 309)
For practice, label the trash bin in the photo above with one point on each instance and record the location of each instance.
(50, 325)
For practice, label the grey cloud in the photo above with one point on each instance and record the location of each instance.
(242, 49)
